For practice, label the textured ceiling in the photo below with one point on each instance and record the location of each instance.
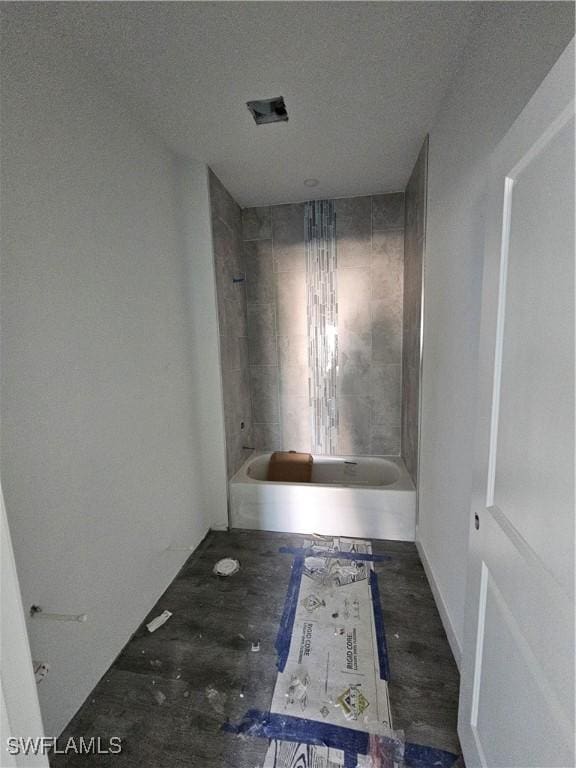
(362, 82)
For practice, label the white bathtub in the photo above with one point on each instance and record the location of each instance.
(366, 496)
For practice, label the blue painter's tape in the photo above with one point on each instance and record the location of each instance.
(350, 760)
(379, 626)
(270, 725)
(301, 552)
(417, 756)
(284, 636)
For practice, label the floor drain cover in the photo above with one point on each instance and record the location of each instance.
(226, 567)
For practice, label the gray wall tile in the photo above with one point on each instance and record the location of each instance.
(388, 265)
(233, 352)
(237, 401)
(288, 235)
(257, 223)
(385, 394)
(413, 264)
(410, 388)
(353, 231)
(386, 331)
(355, 421)
(234, 314)
(238, 447)
(231, 300)
(354, 363)
(223, 205)
(259, 270)
(264, 388)
(294, 381)
(267, 437)
(354, 286)
(291, 304)
(296, 434)
(227, 260)
(262, 334)
(293, 350)
(385, 440)
(370, 275)
(388, 211)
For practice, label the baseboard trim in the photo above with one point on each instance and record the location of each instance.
(441, 605)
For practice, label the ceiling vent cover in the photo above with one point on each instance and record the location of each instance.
(268, 110)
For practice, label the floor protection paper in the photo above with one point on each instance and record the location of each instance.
(333, 674)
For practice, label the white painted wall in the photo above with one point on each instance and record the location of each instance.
(106, 455)
(510, 53)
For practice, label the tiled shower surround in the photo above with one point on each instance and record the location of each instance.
(231, 294)
(369, 279)
(413, 260)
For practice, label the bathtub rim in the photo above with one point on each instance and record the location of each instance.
(404, 482)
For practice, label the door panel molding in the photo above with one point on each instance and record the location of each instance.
(517, 677)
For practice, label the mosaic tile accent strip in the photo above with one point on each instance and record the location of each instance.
(322, 310)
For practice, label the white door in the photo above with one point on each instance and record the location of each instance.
(19, 709)
(517, 692)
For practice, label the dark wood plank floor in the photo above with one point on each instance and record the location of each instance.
(168, 692)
